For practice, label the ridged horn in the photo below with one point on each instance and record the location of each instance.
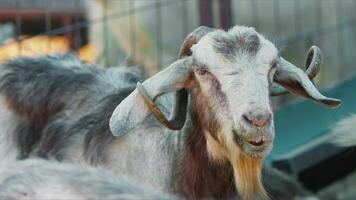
(179, 112)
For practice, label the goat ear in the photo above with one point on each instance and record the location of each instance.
(139, 104)
(134, 109)
(297, 82)
(128, 114)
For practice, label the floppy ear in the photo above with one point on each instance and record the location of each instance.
(140, 103)
(134, 109)
(297, 82)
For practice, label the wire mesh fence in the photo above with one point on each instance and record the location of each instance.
(148, 32)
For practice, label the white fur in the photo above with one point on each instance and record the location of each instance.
(42, 180)
(344, 132)
(146, 155)
(246, 91)
(8, 122)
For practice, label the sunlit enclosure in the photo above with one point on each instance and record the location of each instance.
(178, 99)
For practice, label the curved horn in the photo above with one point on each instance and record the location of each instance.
(192, 39)
(135, 108)
(178, 115)
(312, 64)
(299, 83)
(170, 79)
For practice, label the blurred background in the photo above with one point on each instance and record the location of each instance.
(148, 33)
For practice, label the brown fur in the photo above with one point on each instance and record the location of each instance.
(36, 116)
(204, 175)
(248, 181)
(199, 176)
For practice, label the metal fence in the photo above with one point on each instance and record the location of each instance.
(293, 24)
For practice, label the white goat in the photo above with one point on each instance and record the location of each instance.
(230, 126)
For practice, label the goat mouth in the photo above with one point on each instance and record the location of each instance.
(256, 143)
(257, 148)
(259, 143)
(253, 147)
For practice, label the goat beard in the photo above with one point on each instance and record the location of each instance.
(247, 174)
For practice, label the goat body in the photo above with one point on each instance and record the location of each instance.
(41, 180)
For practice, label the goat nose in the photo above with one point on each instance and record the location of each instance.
(258, 118)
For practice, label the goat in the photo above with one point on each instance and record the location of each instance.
(221, 134)
(227, 76)
(41, 180)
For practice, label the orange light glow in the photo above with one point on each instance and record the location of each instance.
(87, 53)
(41, 45)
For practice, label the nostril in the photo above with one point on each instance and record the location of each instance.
(258, 118)
(260, 122)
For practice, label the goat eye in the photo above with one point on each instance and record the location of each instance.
(234, 73)
(202, 71)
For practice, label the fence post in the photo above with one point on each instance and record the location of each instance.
(225, 14)
(206, 13)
